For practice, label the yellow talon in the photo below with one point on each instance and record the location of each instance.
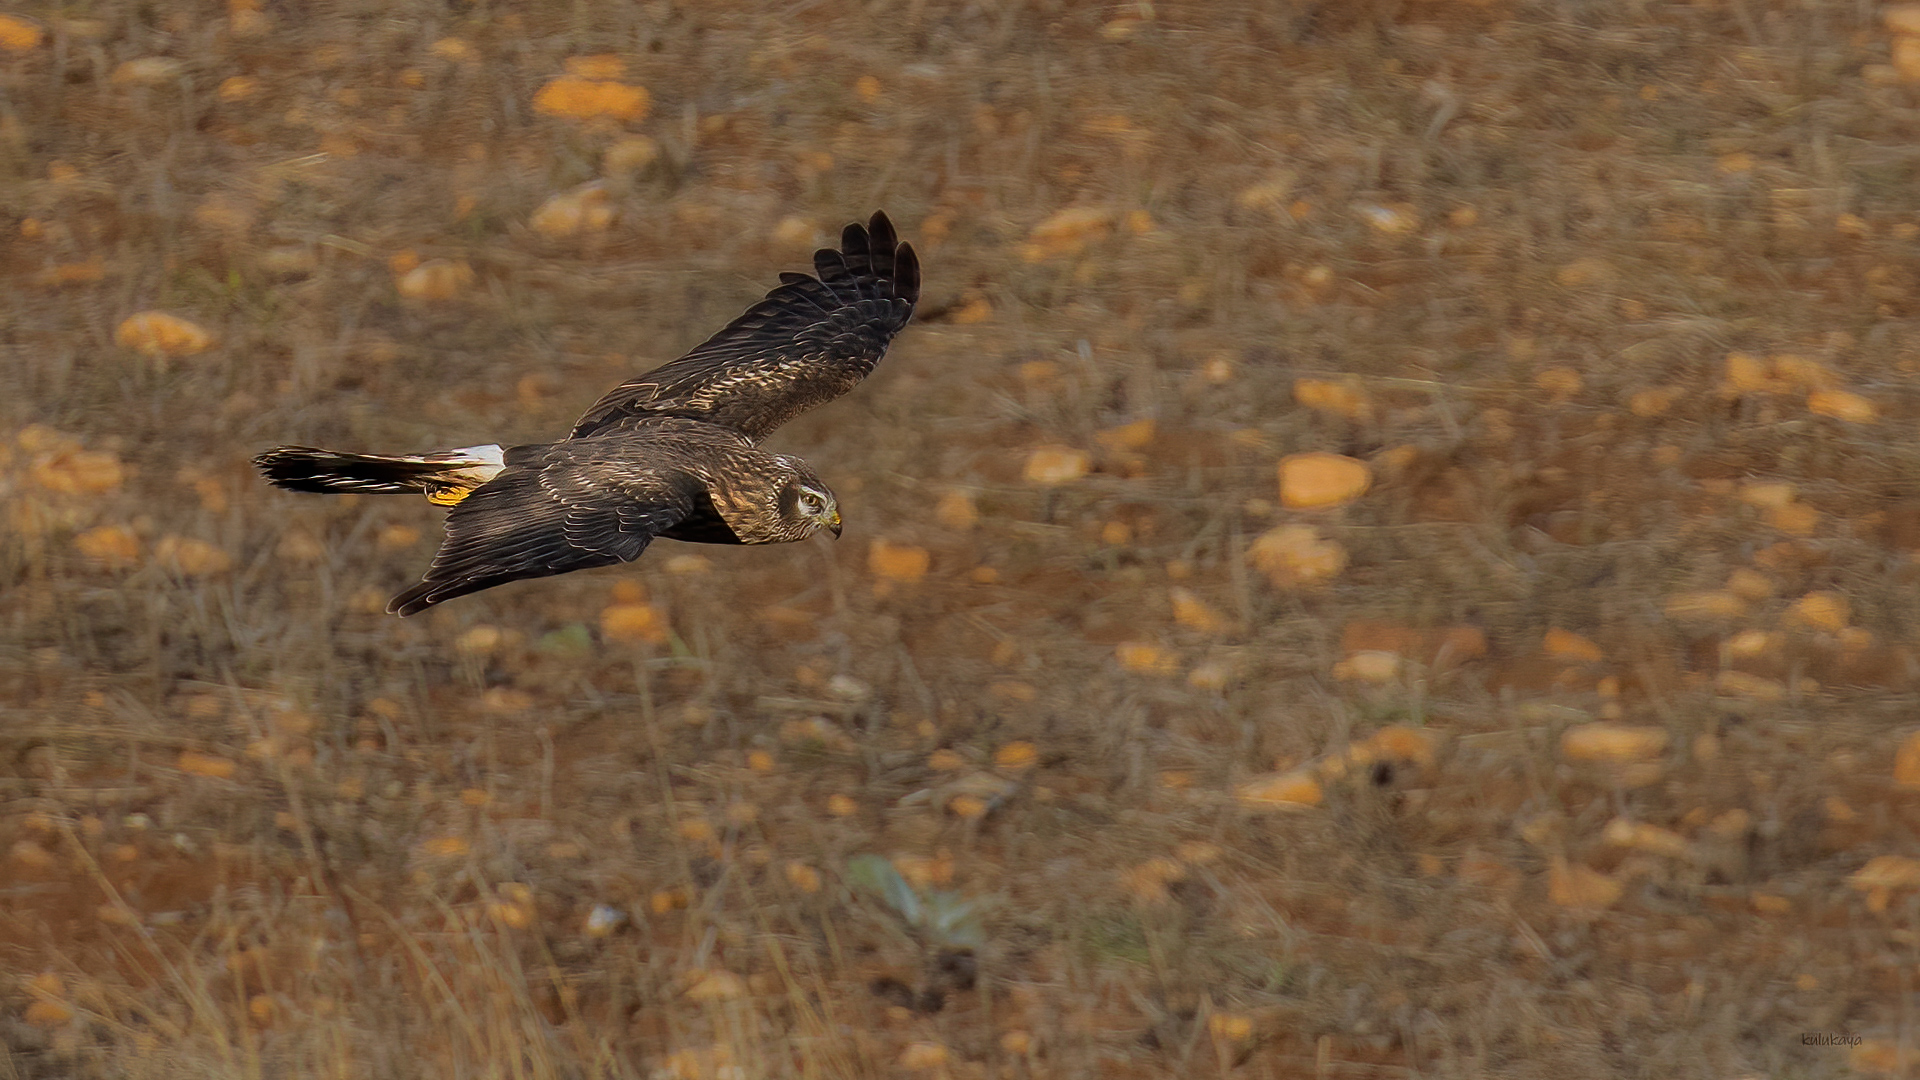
(448, 496)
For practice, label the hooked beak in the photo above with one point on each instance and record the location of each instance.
(834, 523)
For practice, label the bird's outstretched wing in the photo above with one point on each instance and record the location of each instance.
(808, 342)
(550, 515)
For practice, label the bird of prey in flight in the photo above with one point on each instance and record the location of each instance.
(673, 452)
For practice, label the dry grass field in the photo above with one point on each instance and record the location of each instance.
(1580, 742)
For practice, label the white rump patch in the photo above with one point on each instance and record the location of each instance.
(489, 454)
(478, 464)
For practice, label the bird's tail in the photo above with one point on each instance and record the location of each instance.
(444, 477)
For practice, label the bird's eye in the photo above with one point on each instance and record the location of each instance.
(811, 504)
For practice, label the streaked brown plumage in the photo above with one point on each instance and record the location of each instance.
(673, 452)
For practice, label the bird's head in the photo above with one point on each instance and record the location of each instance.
(807, 504)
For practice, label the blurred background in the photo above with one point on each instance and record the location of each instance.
(1387, 550)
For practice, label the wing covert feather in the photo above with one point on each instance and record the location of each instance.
(549, 517)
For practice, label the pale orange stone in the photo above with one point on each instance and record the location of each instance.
(904, 563)
(1644, 837)
(718, 986)
(1906, 763)
(1559, 383)
(158, 334)
(1067, 232)
(1843, 405)
(629, 155)
(1590, 270)
(1794, 519)
(1398, 742)
(1822, 610)
(1753, 687)
(1767, 494)
(435, 279)
(19, 35)
(1145, 658)
(1016, 755)
(1799, 371)
(113, 545)
(1654, 402)
(32, 855)
(795, 231)
(1747, 373)
(147, 71)
(199, 764)
(1886, 872)
(506, 699)
(1902, 18)
(1749, 584)
(1052, 465)
(634, 622)
(576, 98)
(924, 1055)
(1369, 665)
(973, 310)
(44, 1013)
(78, 472)
(1612, 743)
(479, 640)
(1906, 58)
(454, 49)
(1576, 886)
(1567, 645)
(1134, 436)
(1209, 675)
(1296, 790)
(1196, 614)
(1292, 555)
(237, 88)
(1320, 480)
(1343, 399)
(1749, 644)
(586, 209)
(803, 877)
(1879, 1057)
(190, 557)
(1393, 219)
(445, 846)
(1233, 1027)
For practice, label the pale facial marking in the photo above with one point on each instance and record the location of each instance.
(817, 504)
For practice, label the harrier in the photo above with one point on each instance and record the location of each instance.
(673, 452)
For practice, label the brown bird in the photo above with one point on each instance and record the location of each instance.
(673, 452)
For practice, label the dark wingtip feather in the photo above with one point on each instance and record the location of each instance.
(891, 258)
(906, 273)
(880, 228)
(293, 468)
(427, 593)
(413, 601)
